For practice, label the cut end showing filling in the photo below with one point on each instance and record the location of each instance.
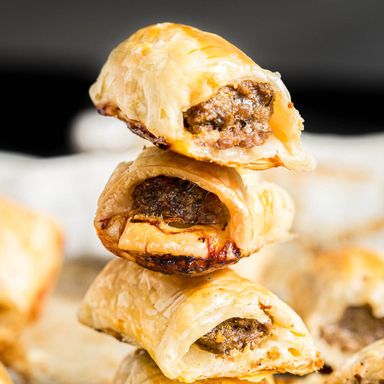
(234, 334)
(179, 203)
(173, 226)
(357, 328)
(236, 116)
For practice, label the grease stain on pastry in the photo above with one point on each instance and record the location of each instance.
(134, 126)
(189, 265)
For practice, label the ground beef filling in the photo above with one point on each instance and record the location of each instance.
(178, 202)
(236, 116)
(357, 328)
(234, 333)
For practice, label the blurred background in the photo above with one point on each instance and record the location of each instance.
(330, 54)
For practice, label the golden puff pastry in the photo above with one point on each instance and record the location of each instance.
(4, 377)
(365, 367)
(197, 94)
(314, 378)
(139, 368)
(30, 257)
(216, 325)
(173, 214)
(340, 296)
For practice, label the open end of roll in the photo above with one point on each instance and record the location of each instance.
(356, 328)
(172, 226)
(236, 116)
(179, 203)
(234, 334)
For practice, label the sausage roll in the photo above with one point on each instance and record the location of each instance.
(216, 325)
(30, 256)
(365, 367)
(176, 215)
(139, 368)
(197, 94)
(343, 305)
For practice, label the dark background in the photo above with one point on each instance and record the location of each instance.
(330, 54)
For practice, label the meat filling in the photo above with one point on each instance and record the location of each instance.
(178, 202)
(357, 328)
(236, 116)
(234, 333)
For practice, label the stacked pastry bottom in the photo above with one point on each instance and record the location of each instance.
(216, 325)
(197, 319)
(365, 367)
(140, 368)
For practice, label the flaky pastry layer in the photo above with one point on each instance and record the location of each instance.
(139, 368)
(259, 213)
(157, 75)
(166, 315)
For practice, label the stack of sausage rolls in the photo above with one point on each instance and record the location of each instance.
(192, 205)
